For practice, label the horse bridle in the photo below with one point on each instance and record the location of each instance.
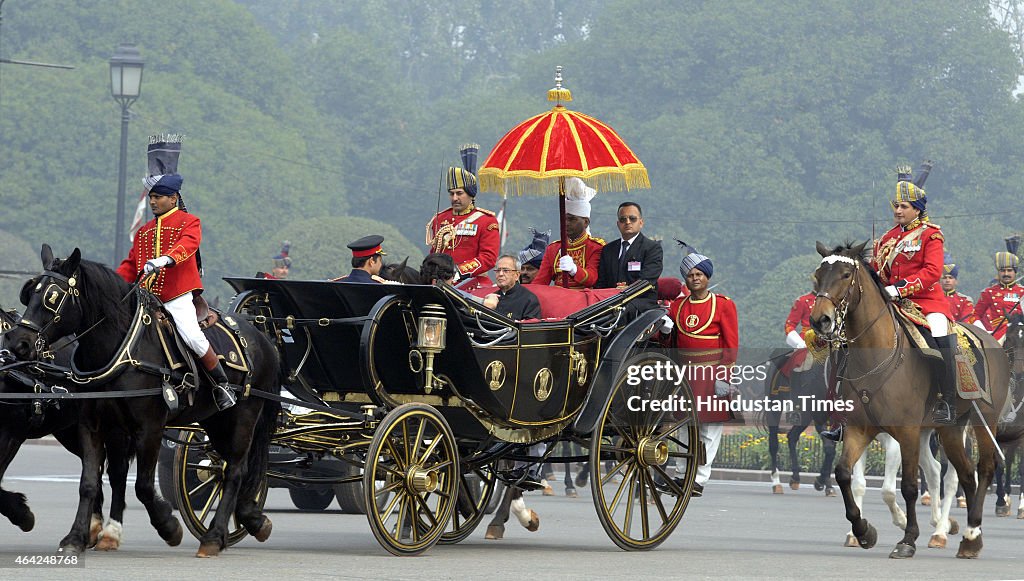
(843, 304)
(55, 297)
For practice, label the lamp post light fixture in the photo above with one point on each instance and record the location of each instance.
(125, 86)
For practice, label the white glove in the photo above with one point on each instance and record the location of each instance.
(456, 278)
(154, 264)
(794, 340)
(567, 265)
(667, 325)
(892, 292)
(725, 389)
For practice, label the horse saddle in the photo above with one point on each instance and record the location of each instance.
(971, 381)
(220, 330)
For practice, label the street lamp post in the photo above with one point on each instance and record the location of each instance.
(125, 85)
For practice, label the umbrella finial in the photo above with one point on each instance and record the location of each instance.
(559, 93)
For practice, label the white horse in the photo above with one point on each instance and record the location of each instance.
(931, 469)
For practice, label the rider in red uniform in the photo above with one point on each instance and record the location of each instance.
(959, 303)
(998, 301)
(467, 233)
(909, 259)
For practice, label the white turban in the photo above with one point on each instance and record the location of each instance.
(577, 197)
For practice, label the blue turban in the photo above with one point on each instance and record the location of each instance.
(168, 185)
(698, 261)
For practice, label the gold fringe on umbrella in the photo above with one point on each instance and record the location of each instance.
(629, 177)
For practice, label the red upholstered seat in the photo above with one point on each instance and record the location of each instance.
(557, 302)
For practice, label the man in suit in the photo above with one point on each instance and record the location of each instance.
(632, 257)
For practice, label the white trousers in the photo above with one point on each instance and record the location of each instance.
(938, 323)
(711, 435)
(183, 310)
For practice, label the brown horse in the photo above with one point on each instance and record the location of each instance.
(889, 385)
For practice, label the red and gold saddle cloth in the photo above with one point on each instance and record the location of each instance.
(972, 382)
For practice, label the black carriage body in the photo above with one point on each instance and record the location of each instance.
(355, 344)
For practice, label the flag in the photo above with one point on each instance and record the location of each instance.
(140, 216)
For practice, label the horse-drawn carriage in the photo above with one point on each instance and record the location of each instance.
(426, 397)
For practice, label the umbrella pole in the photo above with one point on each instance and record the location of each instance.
(561, 224)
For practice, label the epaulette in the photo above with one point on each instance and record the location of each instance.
(968, 297)
(599, 240)
(722, 297)
(488, 212)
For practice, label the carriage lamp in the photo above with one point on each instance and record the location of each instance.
(430, 338)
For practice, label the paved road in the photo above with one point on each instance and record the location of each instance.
(738, 530)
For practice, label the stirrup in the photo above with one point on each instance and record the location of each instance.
(835, 434)
(223, 396)
(942, 413)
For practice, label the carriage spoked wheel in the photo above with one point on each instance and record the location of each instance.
(199, 485)
(643, 463)
(413, 452)
(476, 488)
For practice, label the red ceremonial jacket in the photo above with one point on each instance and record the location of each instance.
(961, 307)
(800, 314)
(911, 260)
(471, 238)
(708, 332)
(995, 303)
(586, 252)
(176, 234)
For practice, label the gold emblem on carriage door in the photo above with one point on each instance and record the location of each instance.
(578, 365)
(542, 384)
(495, 373)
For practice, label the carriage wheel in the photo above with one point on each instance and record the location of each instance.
(476, 488)
(413, 451)
(199, 485)
(639, 498)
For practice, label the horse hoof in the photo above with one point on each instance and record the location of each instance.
(794, 484)
(869, 538)
(969, 549)
(926, 499)
(207, 550)
(174, 538)
(1020, 513)
(777, 489)
(937, 542)
(830, 492)
(264, 533)
(961, 502)
(95, 528)
(29, 522)
(107, 543)
(1003, 510)
(548, 491)
(851, 541)
(903, 551)
(534, 523)
(954, 527)
(571, 493)
(495, 532)
(70, 550)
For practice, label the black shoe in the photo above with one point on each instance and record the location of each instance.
(835, 434)
(698, 490)
(942, 413)
(223, 396)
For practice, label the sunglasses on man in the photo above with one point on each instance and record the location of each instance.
(624, 219)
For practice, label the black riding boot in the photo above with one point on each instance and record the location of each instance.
(944, 412)
(223, 395)
(835, 434)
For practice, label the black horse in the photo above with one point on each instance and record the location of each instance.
(1011, 426)
(21, 421)
(800, 386)
(118, 350)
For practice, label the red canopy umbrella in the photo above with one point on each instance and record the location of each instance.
(537, 155)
